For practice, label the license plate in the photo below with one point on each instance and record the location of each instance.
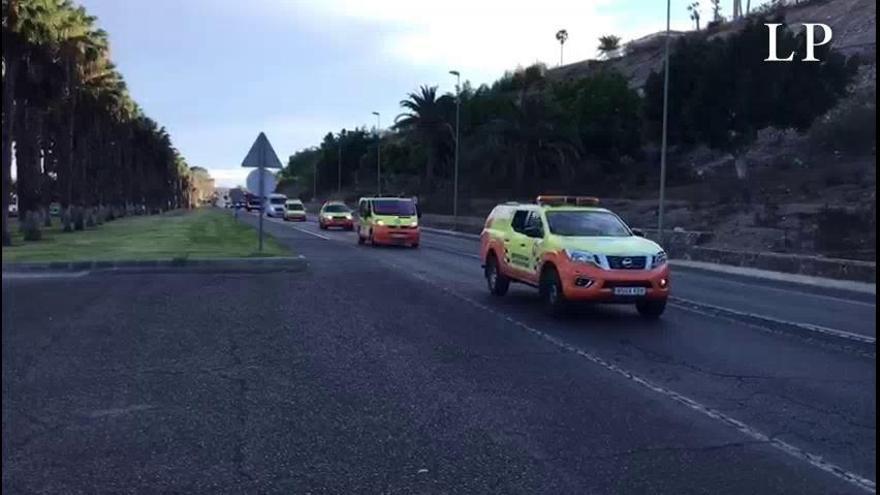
(399, 236)
(630, 291)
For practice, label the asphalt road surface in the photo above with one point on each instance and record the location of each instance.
(386, 370)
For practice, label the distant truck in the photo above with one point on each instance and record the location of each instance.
(253, 202)
(236, 196)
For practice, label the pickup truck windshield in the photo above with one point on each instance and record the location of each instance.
(586, 224)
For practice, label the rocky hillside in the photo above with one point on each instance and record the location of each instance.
(853, 23)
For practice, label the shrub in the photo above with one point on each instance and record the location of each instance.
(90, 220)
(78, 218)
(842, 232)
(30, 226)
(724, 109)
(850, 127)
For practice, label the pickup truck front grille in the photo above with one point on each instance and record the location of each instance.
(627, 262)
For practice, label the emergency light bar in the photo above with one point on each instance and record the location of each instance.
(567, 200)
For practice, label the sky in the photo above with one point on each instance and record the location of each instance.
(216, 73)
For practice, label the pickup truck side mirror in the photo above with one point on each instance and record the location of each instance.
(638, 232)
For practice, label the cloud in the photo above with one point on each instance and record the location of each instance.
(480, 38)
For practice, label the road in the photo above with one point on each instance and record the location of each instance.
(384, 370)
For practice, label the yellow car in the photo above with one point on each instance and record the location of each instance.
(388, 220)
(573, 250)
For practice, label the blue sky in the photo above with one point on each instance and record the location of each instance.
(217, 72)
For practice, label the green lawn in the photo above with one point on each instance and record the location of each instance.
(203, 233)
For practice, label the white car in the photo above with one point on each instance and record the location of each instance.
(275, 205)
(294, 210)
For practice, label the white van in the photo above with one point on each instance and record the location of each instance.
(275, 205)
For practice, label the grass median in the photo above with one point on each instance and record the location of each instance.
(202, 233)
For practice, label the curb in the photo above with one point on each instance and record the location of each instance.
(268, 264)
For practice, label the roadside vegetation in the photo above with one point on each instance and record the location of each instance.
(198, 233)
(529, 132)
(743, 133)
(79, 139)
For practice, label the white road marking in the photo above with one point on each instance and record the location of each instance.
(788, 291)
(867, 339)
(814, 460)
(304, 231)
(118, 411)
(42, 275)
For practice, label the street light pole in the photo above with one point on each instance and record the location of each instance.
(339, 172)
(663, 138)
(378, 154)
(457, 136)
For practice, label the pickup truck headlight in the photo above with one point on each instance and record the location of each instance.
(584, 257)
(659, 259)
(380, 222)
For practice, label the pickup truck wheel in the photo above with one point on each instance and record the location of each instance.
(551, 292)
(497, 282)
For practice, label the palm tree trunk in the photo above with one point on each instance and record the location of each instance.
(27, 158)
(13, 62)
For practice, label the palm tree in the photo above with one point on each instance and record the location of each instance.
(77, 133)
(25, 24)
(83, 52)
(535, 142)
(561, 37)
(609, 45)
(716, 11)
(427, 119)
(694, 10)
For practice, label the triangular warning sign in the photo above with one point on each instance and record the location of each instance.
(261, 154)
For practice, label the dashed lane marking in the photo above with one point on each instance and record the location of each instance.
(810, 458)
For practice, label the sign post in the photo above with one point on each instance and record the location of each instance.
(261, 156)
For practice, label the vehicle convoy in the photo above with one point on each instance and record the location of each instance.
(294, 210)
(275, 205)
(335, 214)
(573, 250)
(388, 220)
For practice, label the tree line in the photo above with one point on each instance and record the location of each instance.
(532, 132)
(77, 136)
